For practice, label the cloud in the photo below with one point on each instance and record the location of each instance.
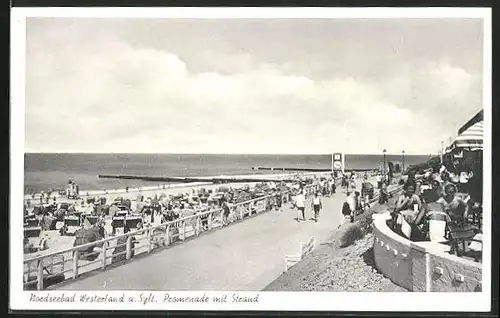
(94, 92)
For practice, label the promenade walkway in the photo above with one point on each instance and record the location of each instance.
(243, 257)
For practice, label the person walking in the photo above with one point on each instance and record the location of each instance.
(346, 210)
(379, 180)
(300, 204)
(352, 205)
(226, 212)
(352, 182)
(317, 205)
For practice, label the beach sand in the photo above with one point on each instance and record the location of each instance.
(56, 242)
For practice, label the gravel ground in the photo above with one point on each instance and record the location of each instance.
(338, 270)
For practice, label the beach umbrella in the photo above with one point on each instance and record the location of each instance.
(470, 139)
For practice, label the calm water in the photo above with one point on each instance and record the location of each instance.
(44, 171)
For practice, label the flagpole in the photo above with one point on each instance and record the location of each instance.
(332, 162)
(343, 163)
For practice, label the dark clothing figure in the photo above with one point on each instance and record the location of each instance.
(279, 200)
(383, 197)
(226, 212)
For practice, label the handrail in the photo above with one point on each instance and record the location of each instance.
(76, 250)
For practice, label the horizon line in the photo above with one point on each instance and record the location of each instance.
(236, 154)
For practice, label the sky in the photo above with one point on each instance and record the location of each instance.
(305, 86)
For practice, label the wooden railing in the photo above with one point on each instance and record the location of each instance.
(100, 254)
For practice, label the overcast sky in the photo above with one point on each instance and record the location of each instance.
(250, 86)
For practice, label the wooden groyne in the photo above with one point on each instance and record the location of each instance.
(305, 169)
(217, 180)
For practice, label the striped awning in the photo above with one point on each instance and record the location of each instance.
(470, 139)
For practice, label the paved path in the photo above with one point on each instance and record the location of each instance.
(246, 256)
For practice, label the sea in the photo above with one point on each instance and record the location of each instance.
(43, 171)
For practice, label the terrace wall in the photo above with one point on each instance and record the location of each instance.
(421, 266)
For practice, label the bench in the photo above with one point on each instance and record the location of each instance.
(305, 249)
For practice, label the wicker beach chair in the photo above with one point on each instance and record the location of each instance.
(133, 222)
(32, 232)
(32, 222)
(71, 225)
(121, 213)
(92, 219)
(118, 222)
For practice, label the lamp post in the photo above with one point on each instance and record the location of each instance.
(403, 170)
(442, 150)
(384, 151)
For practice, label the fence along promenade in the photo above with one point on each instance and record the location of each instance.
(147, 240)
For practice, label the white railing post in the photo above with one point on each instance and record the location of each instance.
(148, 235)
(210, 220)
(183, 230)
(39, 275)
(129, 247)
(104, 256)
(76, 255)
(198, 223)
(242, 213)
(167, 235)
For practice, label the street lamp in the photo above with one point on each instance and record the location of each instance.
(384, 151)
(403, 170)
(442, 150)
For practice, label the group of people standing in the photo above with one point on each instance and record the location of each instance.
(352, 204)
(316, 205)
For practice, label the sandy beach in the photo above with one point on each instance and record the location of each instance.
(56, 242)
(167, 188)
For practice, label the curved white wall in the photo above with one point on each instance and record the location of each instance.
(421, 266)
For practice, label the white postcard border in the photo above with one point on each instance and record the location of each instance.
(324, 301)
